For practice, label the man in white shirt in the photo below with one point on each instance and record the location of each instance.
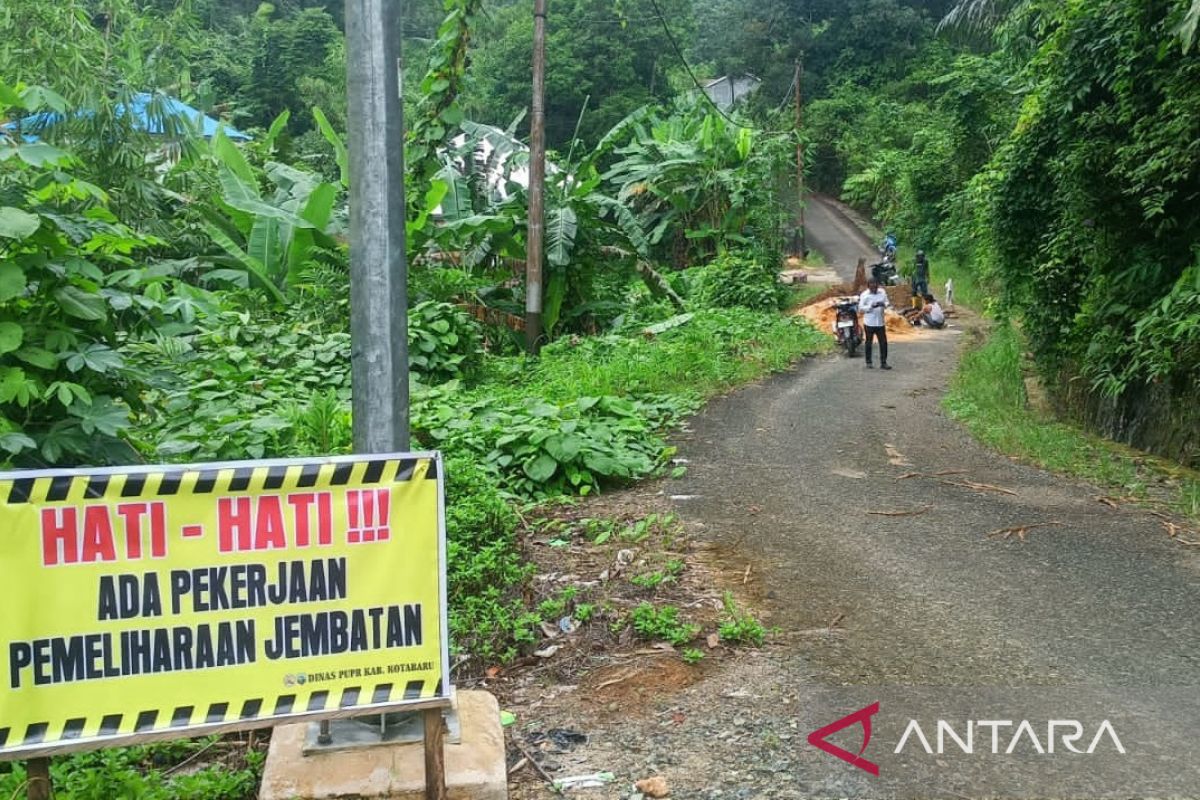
(872, 303)
(932, 314)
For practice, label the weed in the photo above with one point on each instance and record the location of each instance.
(651, 580)
(599, 530)
(584, 612)
(640, 530)
(668, 574)
(556, 607)
(740, 627)
(662, 623)
(692, 656)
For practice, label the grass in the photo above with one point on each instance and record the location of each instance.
(804, 292)
(988, 396)
(713, 352)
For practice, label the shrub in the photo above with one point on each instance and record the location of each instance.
(444, 342)
(741, 279)
(540, 449)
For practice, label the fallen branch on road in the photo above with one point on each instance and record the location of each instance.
(939, 474)
(914, 513)
(980, 487)
(533, 761)
(1020, 531)
(1174, 530)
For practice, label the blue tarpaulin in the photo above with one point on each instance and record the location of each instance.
(147, 117)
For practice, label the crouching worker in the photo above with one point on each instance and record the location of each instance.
(932, 314)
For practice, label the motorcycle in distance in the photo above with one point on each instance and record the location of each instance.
(887, 251)
(846, 327)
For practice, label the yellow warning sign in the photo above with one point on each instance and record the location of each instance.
(147, 600)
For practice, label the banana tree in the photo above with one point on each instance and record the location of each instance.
(691, 175)
(270, 235)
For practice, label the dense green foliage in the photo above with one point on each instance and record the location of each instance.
(169, 297)
(1051, 146)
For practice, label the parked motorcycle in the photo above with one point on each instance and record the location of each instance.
(846, 327)
(886, 273)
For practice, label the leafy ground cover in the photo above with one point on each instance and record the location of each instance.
(211, 768)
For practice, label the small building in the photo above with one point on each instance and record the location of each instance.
(729, 90)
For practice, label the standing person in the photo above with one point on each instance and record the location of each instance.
(920, 279)
(872, 303)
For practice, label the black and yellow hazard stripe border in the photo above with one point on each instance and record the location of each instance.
(40, 739)
(233, 477)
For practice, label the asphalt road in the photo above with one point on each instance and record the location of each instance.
(785, 473)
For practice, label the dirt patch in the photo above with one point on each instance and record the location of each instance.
(822, 312)
(584, 680)
(626, 689)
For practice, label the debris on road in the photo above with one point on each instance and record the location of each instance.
(938, 474)
(895, 457)
(1020, 531)
(914, 513)
(653, 787)
(980, 487)
(594, 780)
(841, 472)
(1176, 532)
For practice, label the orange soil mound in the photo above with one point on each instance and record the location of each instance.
(822, 312)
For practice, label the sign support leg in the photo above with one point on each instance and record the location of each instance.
(435, 754)
(37, 773)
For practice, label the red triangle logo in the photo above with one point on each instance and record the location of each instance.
(861, 717)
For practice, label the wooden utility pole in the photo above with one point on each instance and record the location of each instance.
(800, 152)
(37, 777)
(537, 185)
(378, 268)
(435, 754)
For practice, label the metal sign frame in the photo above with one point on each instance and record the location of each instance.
(443, 700)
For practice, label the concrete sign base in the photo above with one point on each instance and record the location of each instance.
(475, 766)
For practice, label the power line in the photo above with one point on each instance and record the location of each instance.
(788, 96)
(679, 52)
(683, 60)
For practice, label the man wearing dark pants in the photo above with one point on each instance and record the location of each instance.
(872, 303)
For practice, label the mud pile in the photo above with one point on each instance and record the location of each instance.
(823, 311)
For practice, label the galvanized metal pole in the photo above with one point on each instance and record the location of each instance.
(378, 270)
(537, 185)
